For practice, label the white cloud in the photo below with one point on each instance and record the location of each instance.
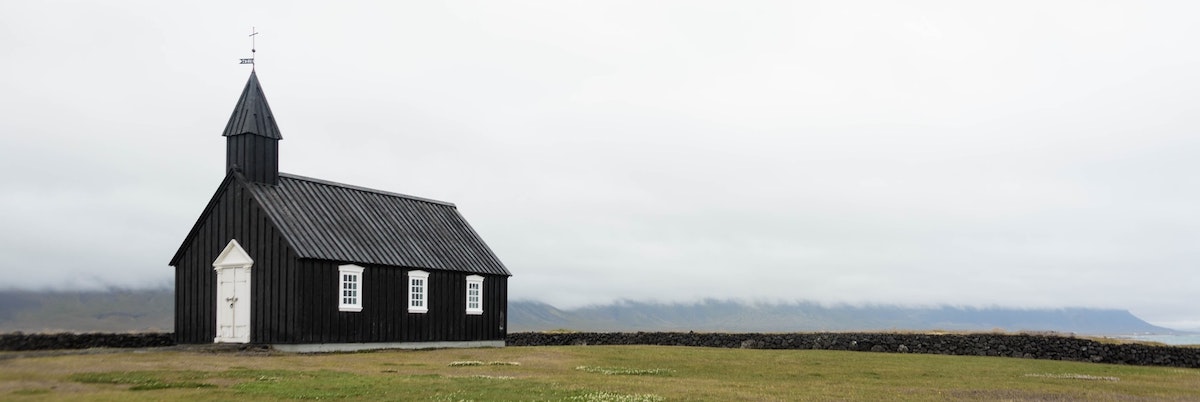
(1017, 154)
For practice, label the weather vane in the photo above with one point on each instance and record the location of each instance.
(250, 61)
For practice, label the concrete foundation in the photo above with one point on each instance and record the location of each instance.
(352, 347)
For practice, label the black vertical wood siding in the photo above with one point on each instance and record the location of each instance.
(385, 317)
(233, 215)
(295, 300)
(256, 156)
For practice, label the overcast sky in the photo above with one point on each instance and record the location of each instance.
(1017, 154)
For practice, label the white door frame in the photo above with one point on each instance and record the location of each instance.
(232, 267)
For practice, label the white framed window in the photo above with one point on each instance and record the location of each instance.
(474, 295)
(350, 288)
(418, 292)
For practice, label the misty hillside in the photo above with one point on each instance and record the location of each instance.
(128, 310)
(121, 310)
(728, 316)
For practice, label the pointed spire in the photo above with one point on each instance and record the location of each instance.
(252, 115)
(252, 138)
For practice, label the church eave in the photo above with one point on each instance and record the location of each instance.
(212, 203)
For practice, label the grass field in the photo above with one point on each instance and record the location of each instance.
(580, 373)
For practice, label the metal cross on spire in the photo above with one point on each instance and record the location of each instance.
(250, 61)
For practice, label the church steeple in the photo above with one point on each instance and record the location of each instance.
(252, 137)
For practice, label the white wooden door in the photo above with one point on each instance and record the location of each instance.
(233, 305)
(233, 294)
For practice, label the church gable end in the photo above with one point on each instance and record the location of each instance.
(233, 215)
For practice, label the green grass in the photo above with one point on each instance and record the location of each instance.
(144, 381)
(582, 373)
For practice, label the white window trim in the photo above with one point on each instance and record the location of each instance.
(424, 292)
(478, 309)
(357, 271)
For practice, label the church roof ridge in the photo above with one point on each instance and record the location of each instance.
(364, 189)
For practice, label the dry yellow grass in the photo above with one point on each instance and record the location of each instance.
(554, 373)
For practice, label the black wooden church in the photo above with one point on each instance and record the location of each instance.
(311, 265)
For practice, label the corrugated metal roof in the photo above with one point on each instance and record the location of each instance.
(333, 221)
(252, 115)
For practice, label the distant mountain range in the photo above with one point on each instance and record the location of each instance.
(135, 310)
(118, 310)
(730, 316)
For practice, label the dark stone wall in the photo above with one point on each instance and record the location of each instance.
(19, 341)
(1049, 347)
